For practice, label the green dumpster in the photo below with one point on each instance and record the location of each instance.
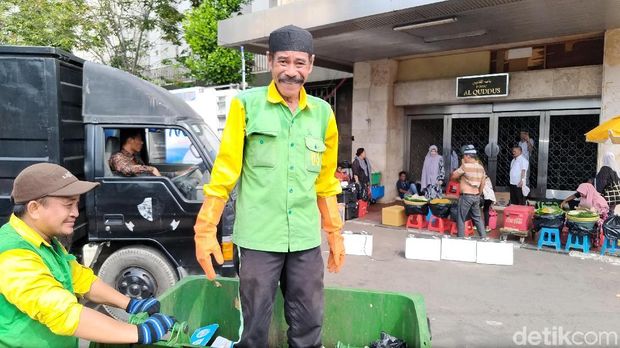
(352, 317)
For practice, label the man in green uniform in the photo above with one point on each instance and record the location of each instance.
(281, 145)
(40, 280)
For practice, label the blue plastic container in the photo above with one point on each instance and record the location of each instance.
(377, 191)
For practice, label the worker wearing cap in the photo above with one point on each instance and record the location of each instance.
(39, 280)
(281, 145)
(471, 176)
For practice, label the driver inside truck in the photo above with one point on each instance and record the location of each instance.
(127, 161)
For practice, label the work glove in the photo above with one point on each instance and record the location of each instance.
(332, 225)
(206, 234)
(154, 328)
(149, 305)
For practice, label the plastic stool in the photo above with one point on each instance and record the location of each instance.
(609, 244)
(441, 225)
(578, 242)
(550, 237)
(469, 228)
(416, 221)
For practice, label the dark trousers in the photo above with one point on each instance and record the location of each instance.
(516, 195)
(486, 209)
(469, 205)
(300, 275)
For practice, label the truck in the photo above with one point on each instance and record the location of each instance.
(136, 232)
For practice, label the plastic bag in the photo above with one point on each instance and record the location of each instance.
(411, 209)
(388, 341)
(549, 221)
(611, 227)
(440, 210)
(581, 228)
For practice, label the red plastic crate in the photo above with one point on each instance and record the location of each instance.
(518, 217)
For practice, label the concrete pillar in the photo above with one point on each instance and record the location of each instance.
(610, 94)
(377, 125)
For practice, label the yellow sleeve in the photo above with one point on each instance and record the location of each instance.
(27, 283)
(229, 160)
(326, 183)
(83, 278)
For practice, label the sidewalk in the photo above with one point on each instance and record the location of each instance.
(473, 305)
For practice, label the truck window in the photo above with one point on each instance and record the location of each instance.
(173, 153)
(170, 146)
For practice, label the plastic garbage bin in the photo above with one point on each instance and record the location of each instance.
(353, 317)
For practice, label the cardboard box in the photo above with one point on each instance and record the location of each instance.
(393, 216)
(503, 198)
(357, 243)
(495, 253)
(417, 248)
(456, 249)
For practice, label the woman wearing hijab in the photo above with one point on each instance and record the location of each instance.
(432, 174)
(608, 173)
(589, 198)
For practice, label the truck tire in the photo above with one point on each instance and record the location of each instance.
(137, 271)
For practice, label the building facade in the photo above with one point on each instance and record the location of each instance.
(561, 59)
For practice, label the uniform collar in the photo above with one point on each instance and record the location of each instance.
(273, 96)
(27, 232)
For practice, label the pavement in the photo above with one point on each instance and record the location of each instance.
(545, 297)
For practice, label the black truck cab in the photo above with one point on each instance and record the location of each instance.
(135, 231)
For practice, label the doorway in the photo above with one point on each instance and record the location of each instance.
(560, 159)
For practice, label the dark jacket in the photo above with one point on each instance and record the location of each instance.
(605, 177)
(361, 174)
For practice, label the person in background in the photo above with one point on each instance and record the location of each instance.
(361, 173)
(127, 161)
(432, 174)
(471, 177)
(526, 144)
(40, 282)
(404, 186)
(589, 198)
(361, 167)
(518, 171)
(488, 195)
(341, 174)
(608, 173)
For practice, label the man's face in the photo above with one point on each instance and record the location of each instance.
(516, 151)
(136, 143)
(403, 177)
(290, 70)
(55, 216)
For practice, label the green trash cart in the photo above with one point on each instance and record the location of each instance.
(352, 317)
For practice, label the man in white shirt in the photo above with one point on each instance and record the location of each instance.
(518, 172)
(526, 144)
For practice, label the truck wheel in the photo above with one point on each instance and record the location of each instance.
(139, 272)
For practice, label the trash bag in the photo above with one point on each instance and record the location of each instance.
(581, 228)
(611, 227)
(549, 221)
(388, 341)
(411, 209)
(440, 210)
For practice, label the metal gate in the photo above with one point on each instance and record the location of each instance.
(560, 161)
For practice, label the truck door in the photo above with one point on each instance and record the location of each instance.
(160, 209)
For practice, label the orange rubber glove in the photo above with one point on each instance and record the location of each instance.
(206, 234)
(332, 225)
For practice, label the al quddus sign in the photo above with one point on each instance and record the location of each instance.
(482, 86)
